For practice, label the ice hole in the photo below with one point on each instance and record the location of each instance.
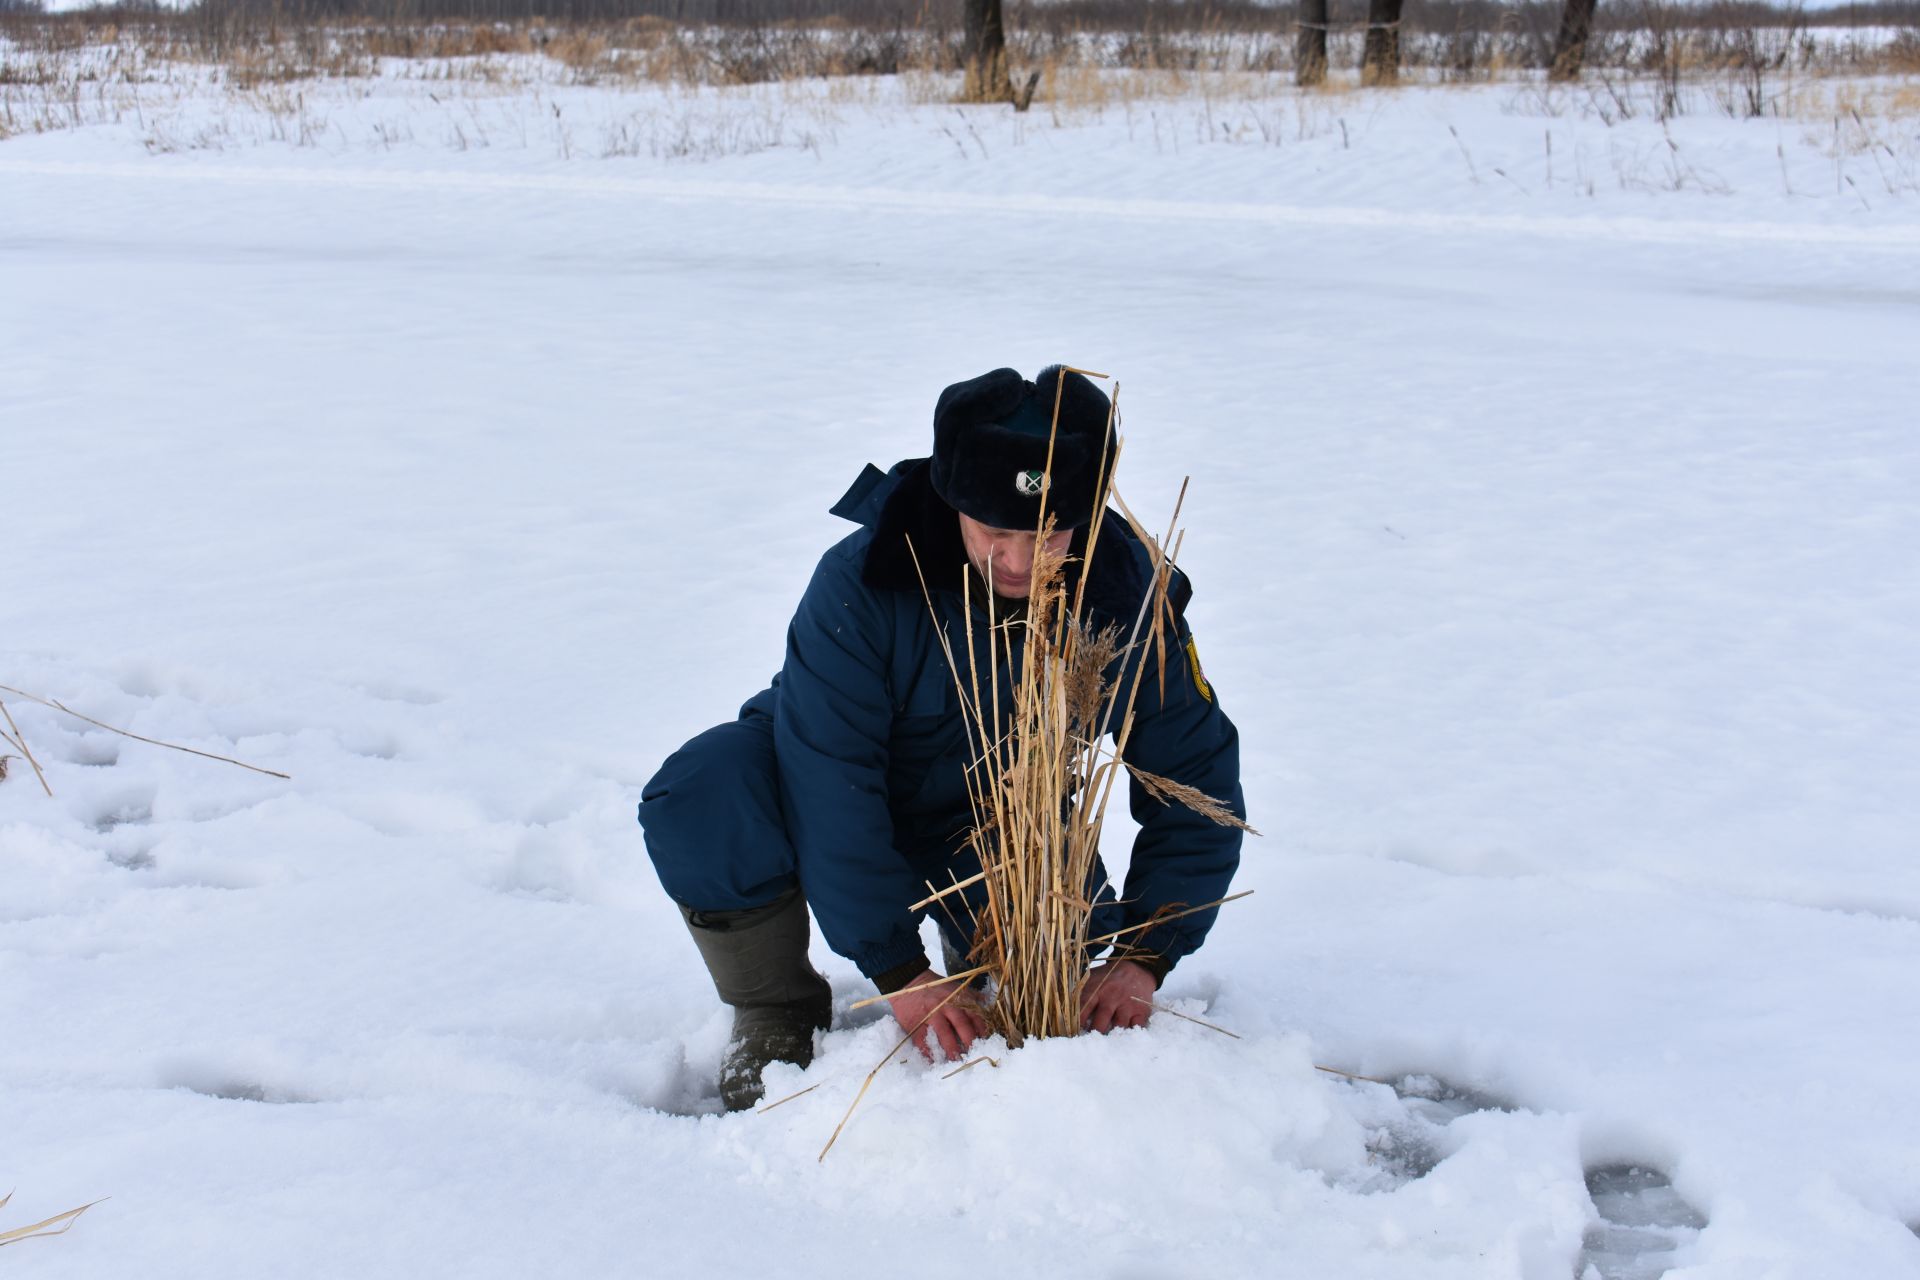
(1643, 1221)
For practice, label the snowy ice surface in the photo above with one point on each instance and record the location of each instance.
(1555, 553)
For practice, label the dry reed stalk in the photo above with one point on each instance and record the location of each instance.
(789, 1098)
(963, 975)
(18, 741)
(1041, 781)
(57, 705)
(58, 1224)
(1348, 1075)
(1162, 917)
(1166, 790)
(903, 1042)
(1198, 1022)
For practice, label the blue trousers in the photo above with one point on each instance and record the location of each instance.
(713, 823)
(715, 830)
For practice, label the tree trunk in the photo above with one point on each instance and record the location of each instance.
(987, 78)
(1380, 62)
(1310, 43)
(1570, 47)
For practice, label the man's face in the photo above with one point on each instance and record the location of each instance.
(1004, 557)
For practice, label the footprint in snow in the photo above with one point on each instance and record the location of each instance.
(1406, 1130)
(91, 750)
(397, 691)
(1643, 1221)
(672, 1080)
(131, 859)
(141, 680)
(229, 1086)
(372, 745)
(122, 809)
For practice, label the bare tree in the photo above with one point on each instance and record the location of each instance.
(986, 34)
(1310, 43)
(1380, 58)
(1570, 46)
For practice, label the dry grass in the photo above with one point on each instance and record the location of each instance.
(18, 741)
(1044, 774)
(1900, 56)
(1867, 130)
(1855, 101)
(58, 1224)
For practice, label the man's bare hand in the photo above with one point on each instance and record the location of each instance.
(953, 1027)
(1118, 993)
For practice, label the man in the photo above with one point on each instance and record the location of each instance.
(842, 787)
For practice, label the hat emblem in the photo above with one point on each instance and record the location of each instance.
(1030, 484)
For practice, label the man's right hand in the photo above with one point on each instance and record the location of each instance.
(953, 1026)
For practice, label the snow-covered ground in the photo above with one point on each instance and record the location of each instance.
(1555, 553)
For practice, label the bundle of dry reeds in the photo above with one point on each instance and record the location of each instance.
(1041, 782)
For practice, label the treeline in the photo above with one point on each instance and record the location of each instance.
(1124, 16)
(989, 41)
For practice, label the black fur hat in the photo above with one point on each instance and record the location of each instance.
(990, 437)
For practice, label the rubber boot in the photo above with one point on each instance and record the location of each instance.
(759, 964)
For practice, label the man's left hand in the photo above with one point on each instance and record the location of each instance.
(1118, 993)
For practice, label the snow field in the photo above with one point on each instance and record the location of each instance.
(1569, 646)
(1829, 149)
(400, 1057)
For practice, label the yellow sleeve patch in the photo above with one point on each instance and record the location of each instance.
(1199, 678)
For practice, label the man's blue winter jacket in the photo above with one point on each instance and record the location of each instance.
(872, 746)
